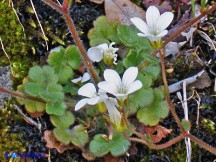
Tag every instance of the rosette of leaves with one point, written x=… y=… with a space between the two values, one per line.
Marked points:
x=64 y=62
x=78 y=136
x=42 y=83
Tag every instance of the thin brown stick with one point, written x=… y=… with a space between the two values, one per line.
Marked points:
x=161 y=146
x=18 y=94
x=76 y=38
x=202 y=144
x=167 y=96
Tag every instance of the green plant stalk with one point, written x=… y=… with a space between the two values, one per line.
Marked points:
x=203 y=5
x=193 y=7
x=76 y=38
x=184 y=27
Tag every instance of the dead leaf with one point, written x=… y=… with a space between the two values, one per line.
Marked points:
x=110 y=158
x=163 y=6
x=202 y=82
x=52 y=142
x=88 y=155
x=97 y=1
x=123 y=11
x=157 y=132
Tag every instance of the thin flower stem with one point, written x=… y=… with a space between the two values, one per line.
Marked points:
x=76 y=38
x=202 y=144
x=18 y=94
x=169 y=143
x=131 y=129
x=22 y=95
x=184 y=27
x=161 y=146
x=167 y=96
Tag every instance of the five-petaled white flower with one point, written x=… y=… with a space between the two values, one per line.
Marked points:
x=156 y=24
x=105 y=52
x=88 y=90
x=120 y=88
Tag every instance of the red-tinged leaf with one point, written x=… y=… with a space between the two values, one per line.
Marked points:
x=157 y=133
x=123 y=11
x=52 y=142
x=185 y=1
x=162 y=6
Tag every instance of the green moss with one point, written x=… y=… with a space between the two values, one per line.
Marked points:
x=9 y=142
x=15 y=43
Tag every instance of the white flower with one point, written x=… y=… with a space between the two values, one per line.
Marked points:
x=120 y=88
x=82 y=79
x=89 y=91
x=111 y=104
x=156 y=24
x=103 y=51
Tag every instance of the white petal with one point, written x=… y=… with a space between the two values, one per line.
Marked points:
x=140 y=24
x=129 y=76
x=165 y=20
x=163 y=33
x=153 y=38
x=143 y=35
x=152 y=15
x=81 y=103
x=95 y=54
x=112 y=76
x=134 y=86
x=108 y=87
x=76 y=80
x=87 y=90
x=114 y=114
x=103 y=46
x=85 y=77
x=93 y=101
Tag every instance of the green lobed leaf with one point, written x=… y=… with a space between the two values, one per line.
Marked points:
x=100 y=146
x=119 y=145
x=79 y=136
x=153 y=114
x=72 y=56
x=145 y=79
x=132 y=59
x=128 y=36
x=33 y=89
x=64 y=73
x=144 y=97
x=63 y=121
x=49 y=76
x=55 y=108
x=104 y=31
x=36 y=74
x=63 y=135
x=153 y=69
x=56 y=56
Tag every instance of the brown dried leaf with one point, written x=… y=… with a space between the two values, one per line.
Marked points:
x=157 y=132
x=163 y=6
x=123 y=11
x=97 y=1
x=202 y=82
x=110 y=158
x=52 y=142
